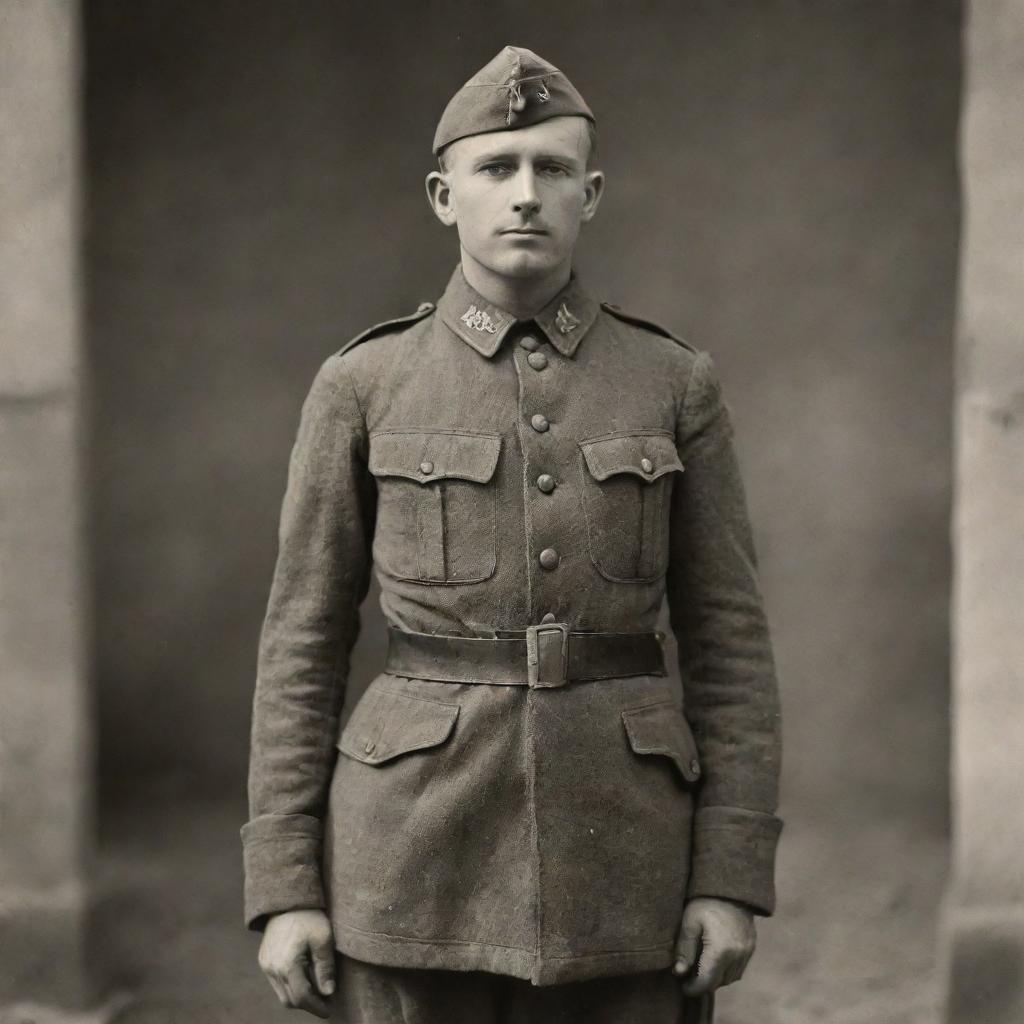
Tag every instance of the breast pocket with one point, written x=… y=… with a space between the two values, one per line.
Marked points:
x=437 y=504
x=627 y=491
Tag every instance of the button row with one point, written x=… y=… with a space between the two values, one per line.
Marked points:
x=549 y=557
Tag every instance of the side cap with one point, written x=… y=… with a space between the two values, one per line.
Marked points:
x=388 y=326
x=637 y=321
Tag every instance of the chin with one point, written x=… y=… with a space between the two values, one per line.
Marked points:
x=524 y=265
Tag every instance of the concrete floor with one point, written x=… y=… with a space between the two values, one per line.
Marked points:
x=853 y=941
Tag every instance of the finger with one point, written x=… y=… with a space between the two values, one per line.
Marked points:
x=323 y=967
x=743 y=964
x=732 y=973
x=316 y=1005
x=734 y=963
x=708 y=975
x=301 y=993
x=688 y=947
x=279 y=990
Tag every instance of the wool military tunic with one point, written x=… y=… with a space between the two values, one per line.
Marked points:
x=577 y=467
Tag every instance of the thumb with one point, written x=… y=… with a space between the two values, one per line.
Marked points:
x=323 y=965
x=688 y=946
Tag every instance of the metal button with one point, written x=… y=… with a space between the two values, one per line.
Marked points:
x=537 y=360
x=539 y=423
x=426 y=468
x=546 y=483
x=695 y=767
x=370 y=746
x=530 y=343
x=549 y=558
x=548 y=617
x=647 y=466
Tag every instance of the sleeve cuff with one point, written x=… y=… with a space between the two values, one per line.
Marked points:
x=734 y=856
x=281 y=854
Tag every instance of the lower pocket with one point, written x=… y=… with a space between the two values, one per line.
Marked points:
x=386 y=725
x=661 y=730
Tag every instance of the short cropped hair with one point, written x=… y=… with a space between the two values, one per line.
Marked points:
x=442 y=158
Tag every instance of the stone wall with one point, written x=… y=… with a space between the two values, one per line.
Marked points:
x=985 y=911
x=46 y=776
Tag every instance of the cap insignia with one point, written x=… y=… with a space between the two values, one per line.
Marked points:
x=479 y=320
x=566 y=321
x=517 y=99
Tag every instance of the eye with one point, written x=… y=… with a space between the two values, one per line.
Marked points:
x=495 y=170
x=554 y=170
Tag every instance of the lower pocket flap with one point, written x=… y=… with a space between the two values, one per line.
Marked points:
x=662 y=729
x=385 y=725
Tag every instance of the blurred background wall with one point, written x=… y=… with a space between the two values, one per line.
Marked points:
x=782 y=191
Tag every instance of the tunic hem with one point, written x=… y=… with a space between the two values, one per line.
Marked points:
x=465 y=955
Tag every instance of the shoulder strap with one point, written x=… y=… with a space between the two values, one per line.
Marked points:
x=636 y=321
x=387 y=326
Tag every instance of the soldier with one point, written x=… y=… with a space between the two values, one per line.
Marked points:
x=522 y=820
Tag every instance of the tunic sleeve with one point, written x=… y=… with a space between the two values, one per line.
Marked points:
x=729 y=683
x=311 y=624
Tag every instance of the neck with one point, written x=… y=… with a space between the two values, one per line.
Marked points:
x=521 y=296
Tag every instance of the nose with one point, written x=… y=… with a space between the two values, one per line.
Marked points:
x=525 y=199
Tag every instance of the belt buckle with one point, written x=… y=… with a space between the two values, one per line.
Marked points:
x=547 y=655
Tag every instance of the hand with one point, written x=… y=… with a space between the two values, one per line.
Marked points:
x=297 y=956
x=716 y=941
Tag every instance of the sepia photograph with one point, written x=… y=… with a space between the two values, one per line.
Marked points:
x=512 y=513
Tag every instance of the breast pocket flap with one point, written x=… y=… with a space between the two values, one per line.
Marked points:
x=428 y=455
x=662 y=729
x=645 y=454
x=388 y=725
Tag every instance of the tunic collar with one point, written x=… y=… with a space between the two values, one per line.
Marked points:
x=483 y=326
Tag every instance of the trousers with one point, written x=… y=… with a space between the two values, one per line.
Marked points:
x=374 y=994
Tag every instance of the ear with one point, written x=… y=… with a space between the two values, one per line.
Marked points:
x=593 y=189
x=439 y=195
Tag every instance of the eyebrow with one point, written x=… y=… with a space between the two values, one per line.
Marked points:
x=512 y=156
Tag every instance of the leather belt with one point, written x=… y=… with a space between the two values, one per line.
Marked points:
x=549 y=655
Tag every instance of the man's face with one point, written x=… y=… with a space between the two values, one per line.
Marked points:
x=519 y=197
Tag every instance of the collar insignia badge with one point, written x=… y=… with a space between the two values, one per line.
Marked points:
x=479 y=320
x=565 y=321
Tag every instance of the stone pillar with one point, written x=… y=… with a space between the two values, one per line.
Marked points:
x=984 y=920
x=46 y=780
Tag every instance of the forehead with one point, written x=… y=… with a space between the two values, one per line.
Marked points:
x=557 y=136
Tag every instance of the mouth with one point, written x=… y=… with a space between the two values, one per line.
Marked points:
x=524 y=231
